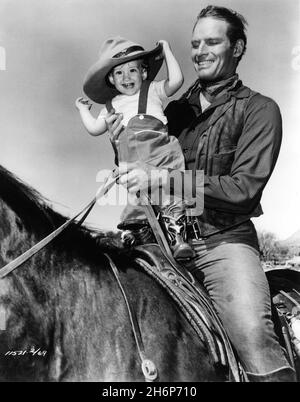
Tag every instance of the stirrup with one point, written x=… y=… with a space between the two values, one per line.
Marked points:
x=127 y=238
x=175 y=229
x=136 y=232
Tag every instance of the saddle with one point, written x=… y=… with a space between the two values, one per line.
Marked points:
x=194 y=303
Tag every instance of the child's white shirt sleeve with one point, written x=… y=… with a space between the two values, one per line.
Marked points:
x=103 y=113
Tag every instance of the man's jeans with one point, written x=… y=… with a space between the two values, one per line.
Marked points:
x=237 y=285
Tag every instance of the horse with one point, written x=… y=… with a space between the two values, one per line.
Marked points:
x=62 y=314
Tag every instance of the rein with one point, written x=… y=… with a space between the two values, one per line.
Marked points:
x=11 y=266
x=4 y=271
x=108 y=184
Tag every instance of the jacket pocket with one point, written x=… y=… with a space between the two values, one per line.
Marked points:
x=220 y=164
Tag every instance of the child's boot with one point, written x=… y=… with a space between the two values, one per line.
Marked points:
x=175 y=228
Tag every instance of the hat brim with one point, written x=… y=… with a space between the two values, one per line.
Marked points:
x=96 y=86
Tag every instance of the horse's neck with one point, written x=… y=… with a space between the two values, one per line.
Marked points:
x=14 y=238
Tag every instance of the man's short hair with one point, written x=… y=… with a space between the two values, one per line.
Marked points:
x=236 y=23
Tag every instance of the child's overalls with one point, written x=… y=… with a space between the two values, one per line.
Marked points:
x=145 y=139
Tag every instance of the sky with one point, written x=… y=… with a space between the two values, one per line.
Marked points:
x=46 y=48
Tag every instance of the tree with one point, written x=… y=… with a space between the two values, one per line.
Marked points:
x=270 y=247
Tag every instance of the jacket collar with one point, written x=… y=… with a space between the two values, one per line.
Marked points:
x=191 y=96
x=216 y=89
x=239 y=92
x=211 y=115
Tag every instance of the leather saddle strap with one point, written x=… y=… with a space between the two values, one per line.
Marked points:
x=155 y=226
x=148 y=367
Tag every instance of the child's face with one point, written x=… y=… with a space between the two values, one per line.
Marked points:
x=128 y=77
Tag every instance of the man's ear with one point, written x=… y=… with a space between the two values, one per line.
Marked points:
x=238 y=48
x=144 y=73
x=111 y=79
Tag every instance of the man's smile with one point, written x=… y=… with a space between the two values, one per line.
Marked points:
x=204 y=63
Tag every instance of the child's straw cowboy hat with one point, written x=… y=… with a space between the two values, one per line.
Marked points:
x=113 y=52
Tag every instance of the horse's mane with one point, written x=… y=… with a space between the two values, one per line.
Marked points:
x=38 y=217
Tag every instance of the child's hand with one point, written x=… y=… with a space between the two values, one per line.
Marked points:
x=82 y=103
x=165 y=45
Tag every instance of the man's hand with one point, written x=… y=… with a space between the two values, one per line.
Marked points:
x=114 y=124
x=139 y=176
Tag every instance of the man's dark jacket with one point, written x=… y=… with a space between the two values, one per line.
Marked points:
x=236 y=142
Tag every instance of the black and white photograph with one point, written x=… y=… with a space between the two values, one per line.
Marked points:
x=123 y=262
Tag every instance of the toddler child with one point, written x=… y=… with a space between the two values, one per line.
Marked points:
x=123 y=80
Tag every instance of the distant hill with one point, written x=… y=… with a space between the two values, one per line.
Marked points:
x=293 y=243
x=293 y=240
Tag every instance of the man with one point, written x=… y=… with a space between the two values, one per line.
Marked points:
x=233 y=134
